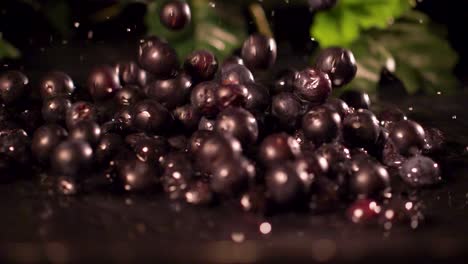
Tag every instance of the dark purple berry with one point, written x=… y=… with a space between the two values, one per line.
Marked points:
x=356 y=99
x=150 y=116
x=88 y=131
x=203 y=98
x=108 y=147
x=232 y=60
x=158 y=58
x=128 y=95
x=435 y=140
x=339 y=106
x=238 y=123
x=135 y=175
x=216 y=149
x=130 y=73
x=103 y=83
x=187 y=116
x=44 y=141
x=284 y=81
x=150 y=149
x=321 y=125
x=16 y=144
x=72 y=157
x=313 y=86
x=235 y=74
x=228 y=177
x=175 y=14
x=13 y=86
x=258 y=98
x=420 y=171
x=339 y=64
x=206 y=124
x=54 y=110
x=286 y=108
x=171 y=92
x=199 y=193
x=407 y=137
x=368 y=179
x=227 y=95
x=259 y=52
x=201 y=65
x=197 y=140
x=56 y=84
x=391 y=115
x=278 y=148
x=309 y=167
x=361 y=129
x=284 y=186
x=80 y=111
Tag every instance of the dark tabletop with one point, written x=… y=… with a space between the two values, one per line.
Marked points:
x=37 y=225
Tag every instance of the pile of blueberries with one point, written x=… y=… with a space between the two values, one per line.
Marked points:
x=206 y=132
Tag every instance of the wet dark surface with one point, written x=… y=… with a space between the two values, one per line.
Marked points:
x=37 y=225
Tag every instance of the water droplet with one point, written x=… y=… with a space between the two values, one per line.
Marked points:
x=238 y=237
x=410 y=108
x=454 y=117
x=77 y=24
x=439 y=93
x=265 y=228
x=212 y=4
x=128 y=30
x=90 y=34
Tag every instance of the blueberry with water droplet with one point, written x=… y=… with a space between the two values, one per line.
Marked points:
x=420 y=171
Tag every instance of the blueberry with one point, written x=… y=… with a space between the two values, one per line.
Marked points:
x=312 y=86
x=227 y=95
x=408 y=137
x=56 y=84
x=420 y=171
x=103 y=83
x=203 y=98
x=150 y=116
x=158 y=58
x=201 y=65
x=277 y=148
x=259 y=52
x=339 y=106
x=356 y=99
x=187 y=116
x=235 y=74
x=284 y=186
x=338 y=63
x=197 y=139
x=286 y=108
x=216 y=149
x=128 y=95
x=80 y=111
x=368 y=178
x=238 y=123
x=72 y=157
x=88 y=131
x=44 y=141
x=135 y=175
x=361 y=129
x=16 y=144
x=13 y=86
x=171 y=92
x=175 y=14
x=228 y=177
x=391 y=115
x=130 y=73
x=321 y=125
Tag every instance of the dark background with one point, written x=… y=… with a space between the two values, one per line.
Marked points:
x=30 y=31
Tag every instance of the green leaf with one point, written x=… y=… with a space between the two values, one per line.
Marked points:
x=407 y=47
x=215 y=26
x=342 y=25
x=7 y=50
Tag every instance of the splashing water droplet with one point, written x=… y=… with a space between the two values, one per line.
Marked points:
x=212 y=4
x=77 y=24
x=454 y=117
